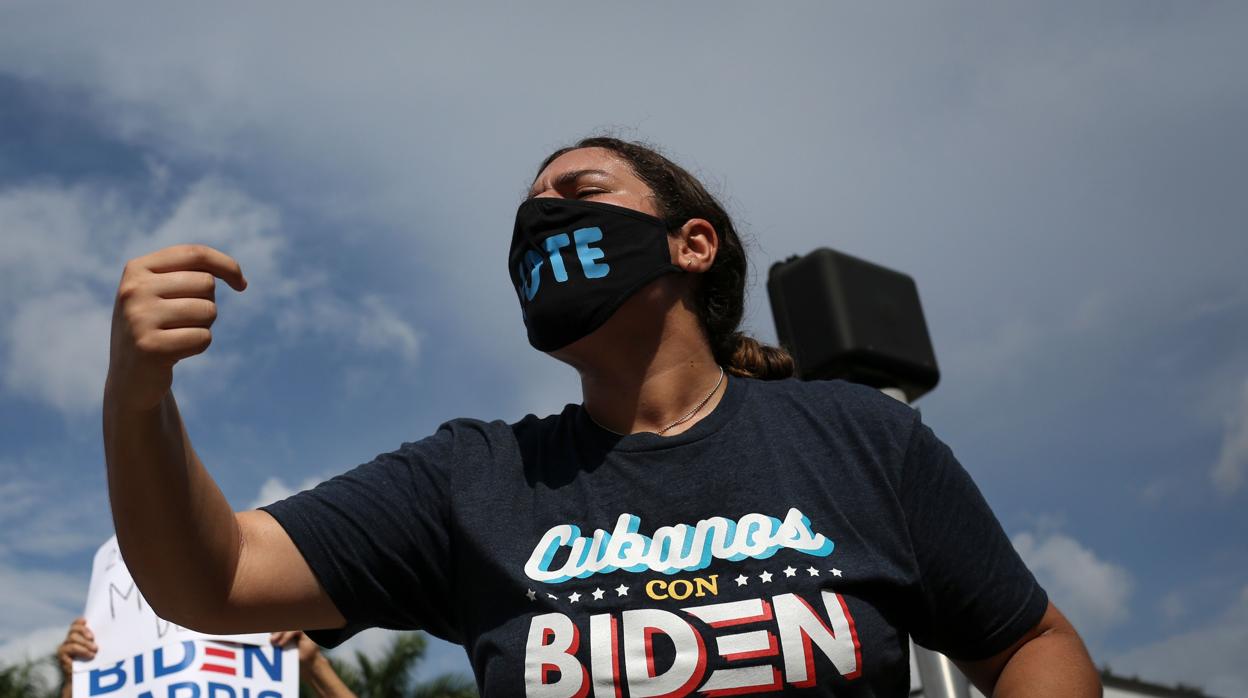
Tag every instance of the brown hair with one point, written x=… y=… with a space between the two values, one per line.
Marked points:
x=720 y=293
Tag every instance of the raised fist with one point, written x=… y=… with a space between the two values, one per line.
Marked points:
x=164 y=310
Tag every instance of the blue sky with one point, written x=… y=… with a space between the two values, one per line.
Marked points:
x=1065 y=183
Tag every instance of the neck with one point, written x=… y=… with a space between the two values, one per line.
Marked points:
x=640 y=391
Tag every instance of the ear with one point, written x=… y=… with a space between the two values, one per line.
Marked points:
x=694 y=245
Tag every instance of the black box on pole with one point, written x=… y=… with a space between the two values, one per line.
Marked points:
x=844 y=317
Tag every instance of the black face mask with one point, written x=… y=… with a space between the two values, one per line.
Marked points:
x=573 y=263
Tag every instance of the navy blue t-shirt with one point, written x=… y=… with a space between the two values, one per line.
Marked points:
x=787 y=542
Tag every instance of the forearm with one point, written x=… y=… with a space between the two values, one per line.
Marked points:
x=320 y=676
x=1055 y=663
x=175 y=529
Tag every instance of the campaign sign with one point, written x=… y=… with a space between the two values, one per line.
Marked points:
x=144 y=656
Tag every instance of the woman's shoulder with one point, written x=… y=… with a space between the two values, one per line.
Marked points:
x=845 y=399
x=852 y=418
x=498 y=433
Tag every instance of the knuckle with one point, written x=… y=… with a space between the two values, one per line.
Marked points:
x=204 y=282
x=131 y=269
x=196 y=252
x=147 y=344
x=128 y=289
x=133 y=316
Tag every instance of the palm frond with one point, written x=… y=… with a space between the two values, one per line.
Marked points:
x=446 y=686
x=24 y=681
x=393 y=674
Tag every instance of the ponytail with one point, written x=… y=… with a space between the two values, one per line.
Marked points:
x=750 y=358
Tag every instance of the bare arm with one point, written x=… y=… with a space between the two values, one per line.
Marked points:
x=1050 y=660
x=315 y=671
x=197 y=563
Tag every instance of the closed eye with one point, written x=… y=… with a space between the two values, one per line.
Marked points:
x=574 y=184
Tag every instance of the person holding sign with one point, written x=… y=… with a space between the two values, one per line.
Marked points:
x=698 y=522
x=315 y=671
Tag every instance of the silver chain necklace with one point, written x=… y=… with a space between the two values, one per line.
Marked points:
x=680 y=421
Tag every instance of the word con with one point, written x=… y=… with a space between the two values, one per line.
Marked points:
x=783 y=651
x=530 y=270
x=681 y=589
x=193 y=659
x=682 y=547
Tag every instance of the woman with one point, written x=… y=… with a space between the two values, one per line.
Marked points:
x=693 y=525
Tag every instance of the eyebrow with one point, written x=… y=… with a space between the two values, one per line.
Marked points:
x=570 y=177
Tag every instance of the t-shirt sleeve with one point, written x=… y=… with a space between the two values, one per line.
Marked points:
x=377 y=538
x=976 y=596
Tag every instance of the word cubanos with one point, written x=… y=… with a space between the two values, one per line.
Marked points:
x=672 y=549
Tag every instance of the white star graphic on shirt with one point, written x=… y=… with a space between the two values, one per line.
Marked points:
x=531 y=594
x=812 y=571
x=789 y=571
x=766 y=576
x=575 y=596
x=742 y=580
x=598 y=594
x=835 y=572
x=621 y=590
x=552 y=597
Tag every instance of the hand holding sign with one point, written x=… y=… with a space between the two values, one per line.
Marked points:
x=122 y=649
x=163 y=313
x=79 y=644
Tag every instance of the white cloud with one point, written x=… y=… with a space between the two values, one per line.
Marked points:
x=400 y=141
x=381 y=328
x=1229 y=471
x=1093 y=593
x=61 y=526
x=49 y=517
x=1210 y=656
x=217 y=214
x=274 y=489
x=63 y=251
x=370 y=324
x=56 y=237
x=1172 y=606
x=58 y=350
x=41 y=519
x=34 y=598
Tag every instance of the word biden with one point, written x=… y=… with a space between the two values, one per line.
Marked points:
x=180 y=671
x=750 y=646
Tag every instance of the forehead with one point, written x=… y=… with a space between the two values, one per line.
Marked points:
x=587 y=159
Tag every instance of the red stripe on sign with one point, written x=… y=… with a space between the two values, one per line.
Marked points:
x=218 y=668
x=214 y=652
